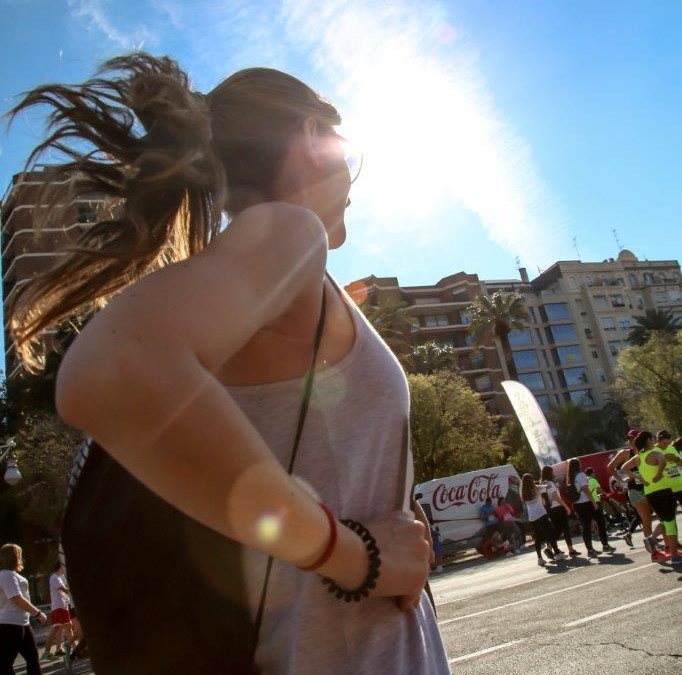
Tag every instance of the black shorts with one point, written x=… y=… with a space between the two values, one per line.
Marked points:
x=663 y=503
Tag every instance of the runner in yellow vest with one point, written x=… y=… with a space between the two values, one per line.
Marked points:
x=673 y=463
x=651 y=463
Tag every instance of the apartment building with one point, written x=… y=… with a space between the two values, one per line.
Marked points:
x=442 y=316
x=580 y=315
x=27 y=251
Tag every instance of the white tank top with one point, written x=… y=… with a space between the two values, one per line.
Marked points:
x=535 y=508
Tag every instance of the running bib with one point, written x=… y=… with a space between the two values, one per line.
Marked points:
x=673 y=471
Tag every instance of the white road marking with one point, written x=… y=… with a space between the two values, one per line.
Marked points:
x=622 y=607
x=466 y=657
x=543 y=595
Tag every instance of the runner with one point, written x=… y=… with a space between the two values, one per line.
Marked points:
x=587 y=509
x=558 y=510
x=636 y=494
x=541 y=527
x=673 y=462
x=651 y=463
x=60 y=616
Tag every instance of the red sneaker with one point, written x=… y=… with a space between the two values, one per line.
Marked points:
x=657 y=556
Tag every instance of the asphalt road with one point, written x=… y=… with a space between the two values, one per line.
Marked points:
x=618 y=614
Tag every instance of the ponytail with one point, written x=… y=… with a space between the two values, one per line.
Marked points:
x=139 y=137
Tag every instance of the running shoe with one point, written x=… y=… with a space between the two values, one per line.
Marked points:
x=541 y=562
x=548 y=552
x=560 y=556
x=676 y=560
x=649 y=544
x=574 y=553
x=592 y=553
x=627 y=538
x=657 y=556
x=47 y=656
x=609 y=549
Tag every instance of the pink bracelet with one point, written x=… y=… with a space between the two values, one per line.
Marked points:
x=331 y=544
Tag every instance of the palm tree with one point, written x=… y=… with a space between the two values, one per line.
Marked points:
x=661 y=321
x=390 y=319
x=431 y=357
x=500 y=313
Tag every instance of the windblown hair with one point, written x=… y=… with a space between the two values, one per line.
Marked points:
x=167 y=160
x=529 y=490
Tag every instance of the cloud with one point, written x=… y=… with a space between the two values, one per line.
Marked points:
x=410 y=89
x=93 y=14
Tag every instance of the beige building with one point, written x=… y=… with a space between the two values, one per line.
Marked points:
x=25 y=251
x=580 y=316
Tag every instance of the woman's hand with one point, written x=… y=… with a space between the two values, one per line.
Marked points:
x=404 y=558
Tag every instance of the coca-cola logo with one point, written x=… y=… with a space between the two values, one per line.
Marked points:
x=477 y=490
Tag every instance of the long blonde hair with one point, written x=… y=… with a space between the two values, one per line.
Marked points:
x=167 y=160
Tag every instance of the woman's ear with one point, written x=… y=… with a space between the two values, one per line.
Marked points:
x=311 y=140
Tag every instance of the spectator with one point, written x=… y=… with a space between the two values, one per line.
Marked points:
x=487 y=513
x=506 y=516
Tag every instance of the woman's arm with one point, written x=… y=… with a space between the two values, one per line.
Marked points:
x=140 y=379
x=616 y=462
x=23 y=604
x=631 y=464
x=657 y=459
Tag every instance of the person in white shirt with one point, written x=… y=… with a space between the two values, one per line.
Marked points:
x=59 y=613
x=587 y=509
x=541 y=527
x=16 y=635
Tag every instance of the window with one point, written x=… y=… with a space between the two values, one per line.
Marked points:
x=550 y=379
x=582 y=397
x=600 y=302
x=639 y=302
x=569 y=355
x=533 y=381
x=675 y=295
x=632 y=278
x=588 y=332
x=572 y=283
x=588 y=280
x=466 y=318
x=434 y=320
x=564 y=332
x=426 y=301
x=661 y=297
x=600 y=375
x=526 y=358
x=469 y=340
x=607 y=323
x=531 y=313
x=617 y=301
x=595 y=354
x=575 y=376
x=446 y=343
x=556 y=311
x=477 y=360
x=544 y=402
x=624 y=322
x=520 y=338
x=483 y=383
x=614 y=347
x=648 y=278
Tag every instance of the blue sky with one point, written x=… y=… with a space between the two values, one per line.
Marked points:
x=491 y=129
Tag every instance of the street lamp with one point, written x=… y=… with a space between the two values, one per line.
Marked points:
x=12 y=474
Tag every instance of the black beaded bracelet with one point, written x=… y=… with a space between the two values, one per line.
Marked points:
x=374 y=563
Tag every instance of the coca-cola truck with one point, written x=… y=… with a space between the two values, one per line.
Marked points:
x=453 y=503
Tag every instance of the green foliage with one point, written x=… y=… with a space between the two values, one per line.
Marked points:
x=661 y=322
x=45 y=451
x=499 y=313
x=516 y=448
x=391 y=320
x=451 y=430
x=431 y=357
x=649 y=383
x=575 y=429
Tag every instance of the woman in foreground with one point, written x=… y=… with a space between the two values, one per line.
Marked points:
x=191 y=377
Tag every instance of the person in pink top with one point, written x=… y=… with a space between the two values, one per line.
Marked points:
x=506 y=517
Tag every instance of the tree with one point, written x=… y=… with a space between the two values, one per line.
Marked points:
x=431 y=357
x=390 y=319
x=655 y=321
x=516 y=449
x=500 y=313
x=451 y=430
x=649 y=383
x=575 y=429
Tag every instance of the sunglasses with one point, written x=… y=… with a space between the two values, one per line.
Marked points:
x=352 y=156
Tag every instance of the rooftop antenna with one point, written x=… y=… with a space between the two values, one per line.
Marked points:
x=615 y=236
x=575 y=246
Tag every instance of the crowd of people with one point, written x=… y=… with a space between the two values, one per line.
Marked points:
x=645 y=481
